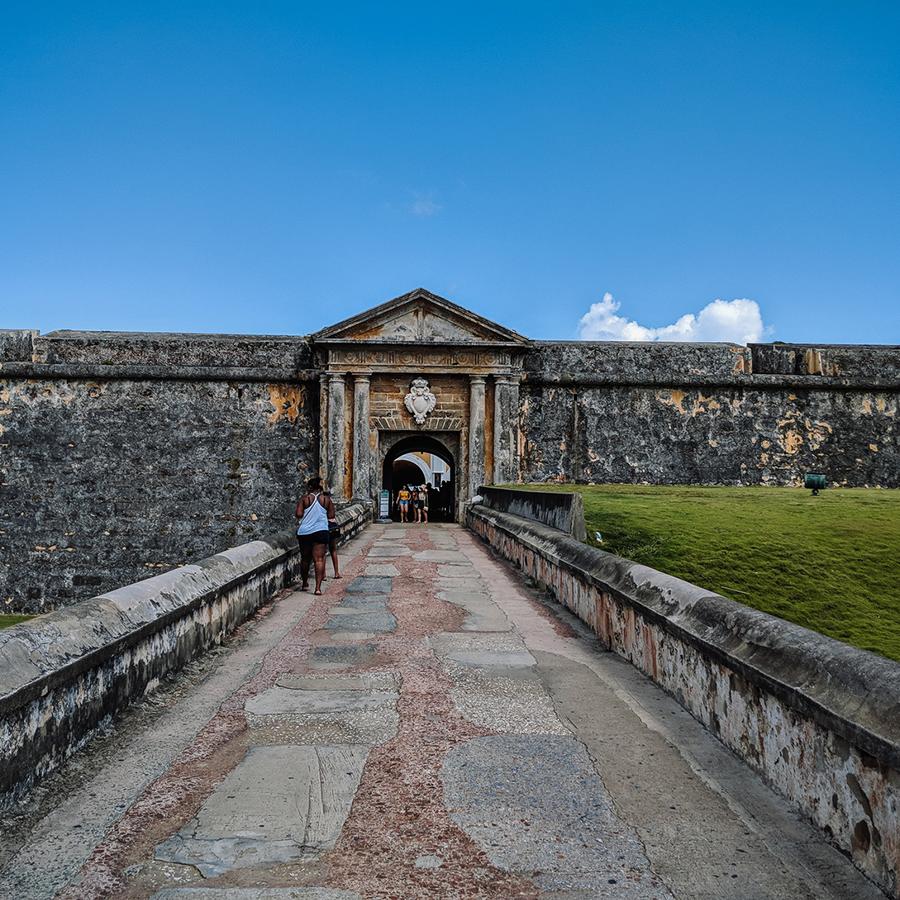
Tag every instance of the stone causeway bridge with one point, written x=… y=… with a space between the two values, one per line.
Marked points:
x=485 y=706
x=449 y=719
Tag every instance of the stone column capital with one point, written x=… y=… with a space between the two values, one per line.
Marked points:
x=361 y=377
x=336 y=377
x=477 y=379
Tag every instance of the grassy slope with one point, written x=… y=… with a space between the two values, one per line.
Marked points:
x=7 y=619
x=831 y=562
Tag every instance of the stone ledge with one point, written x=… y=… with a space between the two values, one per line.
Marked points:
x=757 y=381
x=135 y=372
x=65 y=673
x=818 y=719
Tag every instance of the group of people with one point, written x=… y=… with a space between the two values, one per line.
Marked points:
x=317 y=533
x=413 y=499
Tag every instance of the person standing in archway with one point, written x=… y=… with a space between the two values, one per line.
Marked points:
x=313 y=510
x=403 y=498
x=422 y=507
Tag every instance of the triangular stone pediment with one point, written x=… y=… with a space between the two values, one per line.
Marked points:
x=419 y=317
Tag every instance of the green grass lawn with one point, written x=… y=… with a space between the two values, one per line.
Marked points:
x=831 y=562
x=7 y=619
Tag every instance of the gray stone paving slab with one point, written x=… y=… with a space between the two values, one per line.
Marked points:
x=279 y=804
x=382 y=569
x=467 y=594
x=505 y=704
x=481 y=613
x=389 y=552
x=370 y=681
x=474 y=648
x=458 y=570
x=352 y=637
x=342 y=656
x=535 y=805
x=370 y=621
x=356 y=727
x=449 y=556
x=369 y=584
x=254 y=893
x=492 y=659
x=361 y=601
x=279 y=701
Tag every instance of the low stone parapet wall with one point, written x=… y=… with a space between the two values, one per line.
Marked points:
x=564 y=511
x=818 y=719
x=65 y=674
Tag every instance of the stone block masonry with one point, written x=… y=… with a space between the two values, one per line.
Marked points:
x=65 y=674
x=137 y=468
x=819 y=720
x=710 y=414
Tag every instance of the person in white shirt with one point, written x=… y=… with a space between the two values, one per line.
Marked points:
x=313 y=512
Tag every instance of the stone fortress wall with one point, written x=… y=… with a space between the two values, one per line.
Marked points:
x=124 y=455
x=710 y=413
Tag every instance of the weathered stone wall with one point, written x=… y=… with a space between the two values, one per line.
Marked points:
x=819 y=720
x=123 y=456
x=710 y=414
x=65 y=674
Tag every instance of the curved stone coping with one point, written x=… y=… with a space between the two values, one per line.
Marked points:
x=556 y=509
x=852 y=692
x=38 y=655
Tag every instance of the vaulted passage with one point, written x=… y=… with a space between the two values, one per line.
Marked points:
x=417 y=460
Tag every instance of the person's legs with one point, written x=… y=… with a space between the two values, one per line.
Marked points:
x=318 y=553
x=305 y=559
x=332 y=546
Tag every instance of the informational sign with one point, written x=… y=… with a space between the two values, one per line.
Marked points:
x=384 y=505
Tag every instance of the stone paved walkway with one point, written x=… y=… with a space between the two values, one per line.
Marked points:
x=427 y=728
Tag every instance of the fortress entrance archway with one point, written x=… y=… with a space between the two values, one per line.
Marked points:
x=418 y=374
x=398 y=469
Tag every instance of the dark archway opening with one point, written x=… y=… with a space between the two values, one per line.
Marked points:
x=398 y=472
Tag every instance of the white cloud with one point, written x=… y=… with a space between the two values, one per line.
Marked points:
x=424 y=205
x=739 y=321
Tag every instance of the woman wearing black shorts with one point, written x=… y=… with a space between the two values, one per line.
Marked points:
x=313 y=512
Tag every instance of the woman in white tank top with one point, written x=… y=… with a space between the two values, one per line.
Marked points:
x=313 y=510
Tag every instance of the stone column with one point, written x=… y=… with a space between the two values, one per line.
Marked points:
x=335 y=470
x=323 y=427
x=361 y=451
x=476 y=434
x=512 y=392
x=506 y=415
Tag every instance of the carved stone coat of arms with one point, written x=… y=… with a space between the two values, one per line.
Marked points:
x=420 y=401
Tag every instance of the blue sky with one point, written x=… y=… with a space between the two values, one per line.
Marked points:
x=273 y=168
